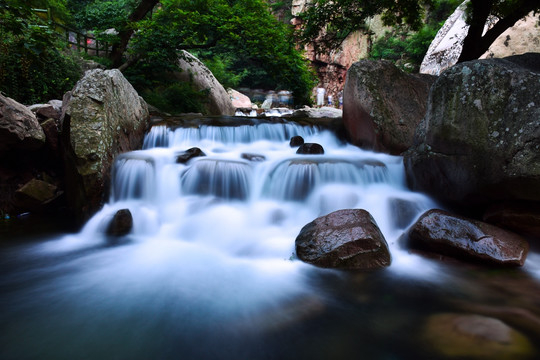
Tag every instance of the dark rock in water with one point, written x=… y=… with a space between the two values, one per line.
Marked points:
x=189 y=154
x=121 y=223
x=35 y=195
x=345 y=239
x=253 y=157
x=479 y=141
x=521 y=217
x=383 y=105
x=310 y=148
x=450 y=235
x=296 y=141
x=468 y=336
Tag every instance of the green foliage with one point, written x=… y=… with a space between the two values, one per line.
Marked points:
x=176 y=98
x=331 y=21
x=240 y=40
x=32 y=66
x=102 y=14
x=407 y=48
x=222 y=67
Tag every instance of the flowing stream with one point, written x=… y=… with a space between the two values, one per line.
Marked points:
x=209 y=270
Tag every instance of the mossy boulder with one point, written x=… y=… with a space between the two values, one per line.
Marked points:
x=480 y=139
x=104 y=116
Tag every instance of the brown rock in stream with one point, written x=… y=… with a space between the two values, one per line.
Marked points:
x=346 y=239
x=443 y=233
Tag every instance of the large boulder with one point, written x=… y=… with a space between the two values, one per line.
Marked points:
x=103 y=117
x=195 y=72
x=19 y=128
x=346 y=239
x=445 y=49
x=450 y=235
x=480 y=139
x=382 y=105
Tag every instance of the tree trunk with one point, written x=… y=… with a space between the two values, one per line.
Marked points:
x=475 y=44
x=479 y=15
x=118 y=50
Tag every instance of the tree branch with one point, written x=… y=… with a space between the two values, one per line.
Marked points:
x=143 y=8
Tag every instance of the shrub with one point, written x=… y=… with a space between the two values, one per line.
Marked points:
x=176 y=98
x=33 y=67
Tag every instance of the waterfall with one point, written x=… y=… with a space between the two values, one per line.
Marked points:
x=249 y=205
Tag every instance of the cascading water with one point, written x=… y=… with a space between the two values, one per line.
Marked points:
x=208 y=271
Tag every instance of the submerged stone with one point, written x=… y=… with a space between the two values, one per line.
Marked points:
x=465 y=336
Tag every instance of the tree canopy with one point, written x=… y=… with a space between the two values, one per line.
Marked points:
x=331 y=21
x=240 y=37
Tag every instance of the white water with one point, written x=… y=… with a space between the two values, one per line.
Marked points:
x=252 y=211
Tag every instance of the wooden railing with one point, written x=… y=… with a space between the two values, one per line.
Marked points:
x=76 y=40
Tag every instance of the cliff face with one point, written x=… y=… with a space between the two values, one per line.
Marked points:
x=332 y=67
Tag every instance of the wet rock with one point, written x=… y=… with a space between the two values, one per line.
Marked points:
x=383 y=105
x=296 y=141
x=253 y=157
x=346 y=239
x=466 y=336
x=189 y=154
x=19 y=128
x=310 y=149
x=479 y=141
x=121 y=223
x=103 y=117
x=450 y=235
x=521 y=217
x=35 y=195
